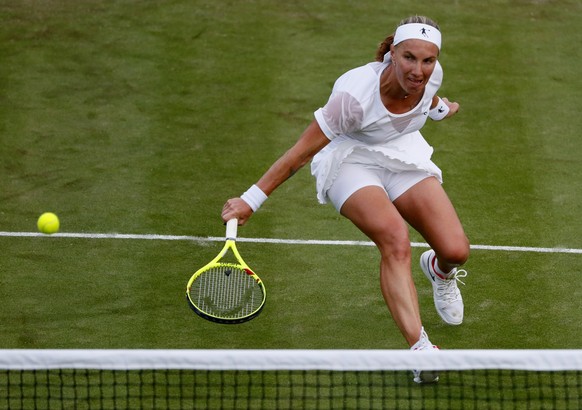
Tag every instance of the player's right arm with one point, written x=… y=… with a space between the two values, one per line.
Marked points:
x=310 y=143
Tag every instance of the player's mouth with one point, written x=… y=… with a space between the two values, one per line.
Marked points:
x=415 y=82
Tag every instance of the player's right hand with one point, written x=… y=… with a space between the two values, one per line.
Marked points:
x=236 y=208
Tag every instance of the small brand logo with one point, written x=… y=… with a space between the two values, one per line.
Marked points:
x=441 y=110
x=431 y=264
x=423 y=32
x=431 y=275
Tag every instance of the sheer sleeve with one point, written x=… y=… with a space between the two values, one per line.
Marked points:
x=341 y=115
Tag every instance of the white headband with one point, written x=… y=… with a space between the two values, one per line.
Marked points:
x=418 y=31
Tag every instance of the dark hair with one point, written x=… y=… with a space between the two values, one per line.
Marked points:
x=384 y=46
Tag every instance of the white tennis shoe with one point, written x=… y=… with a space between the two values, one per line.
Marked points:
x=447 y=297
x=424 y=376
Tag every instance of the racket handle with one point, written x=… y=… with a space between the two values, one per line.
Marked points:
x=231 y=227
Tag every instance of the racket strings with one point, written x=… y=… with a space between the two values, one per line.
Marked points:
x=226 y=291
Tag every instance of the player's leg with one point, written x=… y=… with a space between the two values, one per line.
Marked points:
x=428 y=209
x=373 y=213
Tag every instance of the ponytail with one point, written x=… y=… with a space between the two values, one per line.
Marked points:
x=384 y=47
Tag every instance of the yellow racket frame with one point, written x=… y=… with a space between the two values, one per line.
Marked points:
x=230 y=245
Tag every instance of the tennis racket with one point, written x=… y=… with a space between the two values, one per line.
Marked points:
x=226 y=291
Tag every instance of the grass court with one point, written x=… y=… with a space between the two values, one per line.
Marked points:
x=142 y=118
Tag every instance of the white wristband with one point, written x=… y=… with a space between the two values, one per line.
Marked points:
x=254 y=197
x=440 y=111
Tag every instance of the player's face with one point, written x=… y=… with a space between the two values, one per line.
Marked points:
x=415 y=61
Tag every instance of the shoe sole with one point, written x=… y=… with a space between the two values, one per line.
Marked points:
x=427 y=376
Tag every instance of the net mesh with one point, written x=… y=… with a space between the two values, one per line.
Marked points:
x=187 y=379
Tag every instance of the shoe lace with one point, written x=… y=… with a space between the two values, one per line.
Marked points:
x=459 y=273
x=447 y=288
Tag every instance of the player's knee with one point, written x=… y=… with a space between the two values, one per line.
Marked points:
x=395 y=246
x=456 y=252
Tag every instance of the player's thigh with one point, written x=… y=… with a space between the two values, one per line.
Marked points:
x=359 y=194
x=428 y=209
x=370 y=209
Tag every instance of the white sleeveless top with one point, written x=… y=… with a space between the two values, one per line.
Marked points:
x=363 y=131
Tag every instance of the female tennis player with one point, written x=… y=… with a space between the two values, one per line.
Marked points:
x=371 y=162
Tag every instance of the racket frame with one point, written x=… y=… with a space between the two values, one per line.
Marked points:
x=229 y=245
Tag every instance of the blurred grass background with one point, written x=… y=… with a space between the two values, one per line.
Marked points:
x=144 y=117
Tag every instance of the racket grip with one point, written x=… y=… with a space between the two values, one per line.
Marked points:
x=231 y=228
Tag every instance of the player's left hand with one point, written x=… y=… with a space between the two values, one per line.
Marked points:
x=453 y=107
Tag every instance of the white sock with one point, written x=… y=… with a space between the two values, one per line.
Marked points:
x=422 y=340
x=439 y=272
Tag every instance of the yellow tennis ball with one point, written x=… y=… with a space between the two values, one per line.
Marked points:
x=48 y=223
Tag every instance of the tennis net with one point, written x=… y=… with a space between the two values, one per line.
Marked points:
x=289 y=379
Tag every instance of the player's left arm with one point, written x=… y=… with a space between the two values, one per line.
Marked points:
x=442 y=108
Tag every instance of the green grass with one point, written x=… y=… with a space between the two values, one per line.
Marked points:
x=144 y=117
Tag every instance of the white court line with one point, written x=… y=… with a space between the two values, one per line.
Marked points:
x=270 y=240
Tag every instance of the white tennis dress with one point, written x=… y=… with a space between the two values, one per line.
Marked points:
x=363 y=131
